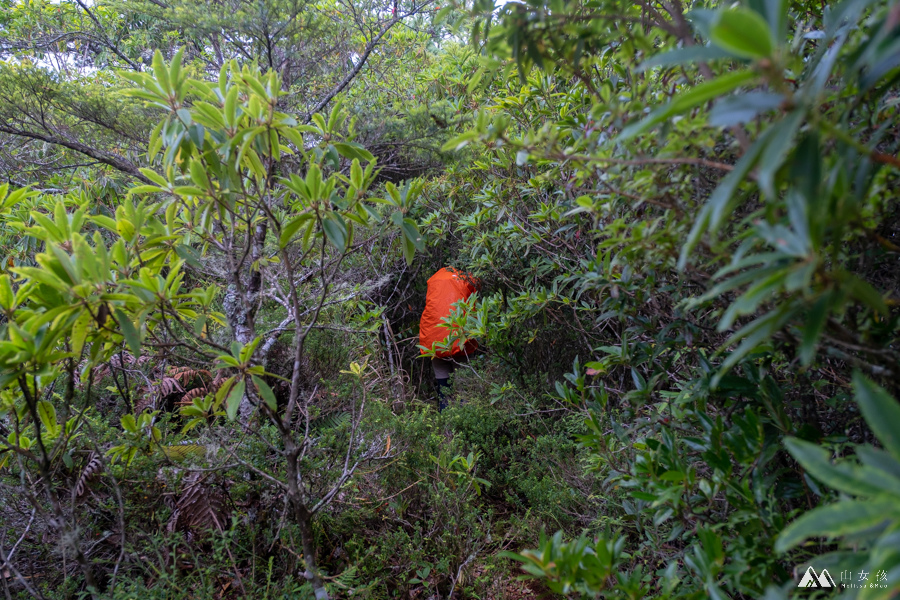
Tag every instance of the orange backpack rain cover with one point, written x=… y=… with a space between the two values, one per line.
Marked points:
x=444 y=288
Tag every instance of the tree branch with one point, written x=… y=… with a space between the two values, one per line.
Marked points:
x=115 y=162
x=362 y=61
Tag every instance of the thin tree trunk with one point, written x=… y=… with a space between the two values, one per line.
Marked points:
x=304 y=521
x=241 y=304
x=302 y=516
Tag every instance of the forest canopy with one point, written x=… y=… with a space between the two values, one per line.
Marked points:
x=218 y=221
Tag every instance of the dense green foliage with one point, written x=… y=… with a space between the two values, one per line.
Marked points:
x=216 y=228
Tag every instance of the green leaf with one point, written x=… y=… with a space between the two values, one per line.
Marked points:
x=132 y=337
x=672 y=476
x=696 y=96
x=198 y=175
x=837 y=520
x=643 y=495
x=723 y=199
x=880 y=411
x=742 y=108
x=812 y=329
x=409 y=250
x=189 y=255
x=754 y=334
x=680 y=56
x=460 y=141
x=154 y=177
x=863 y=291
x=743 y=33
x=175 y=68
x=750 y=300
x=411 y=232
x=79 y=331
x=288 y=231
x=47 y=414
x=161 y=73
x=7 y=297
x=199 y=324
x=879 y=459
x=106 y=222
x=266 y=393
x=246 y=352
x=776 y=13
x=353 y=151
x=335 y=230
x=129 y=424
x=234 y=399
x=256 y=86
x=776 y=150
x=185 y=116
x=859 y=480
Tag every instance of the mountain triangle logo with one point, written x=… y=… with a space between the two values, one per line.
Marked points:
x=811 y=580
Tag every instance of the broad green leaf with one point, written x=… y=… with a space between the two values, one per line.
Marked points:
x=879 y=459
x=47 y=414
x=129 y=424
x=154 y=177
x=812 y=329
x=107 y=222
x=880 y=411
x=776 y=150
x=175 y=68
x=724 y=198
x=199 y=176
x=266 y=393
x=776 y=12
x=411 y=232
x=860 y=480
x=409 y=250
x=231 y=107
x=335 y=230
x=234 y=399
x=836 y=520
x=742 y=32
x=750 y=300
x=863 y=291
x=741 y=108
x=189 y=255
x=131 y=334
x=699 y=94
x=185 y=116
x=753 y=335
x=353 y=151
x=256 y=86
x=7 y=297
x=246 y=352
x=79 y=331
x=680 y=56
x=161 y=73
x=672 y=476
x=460 y=141
x=292 y=227
x=223 y=390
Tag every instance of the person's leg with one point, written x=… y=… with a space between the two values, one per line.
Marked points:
x=442 y=369
x=455 y=362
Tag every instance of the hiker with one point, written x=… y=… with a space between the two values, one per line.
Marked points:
x=444 y=288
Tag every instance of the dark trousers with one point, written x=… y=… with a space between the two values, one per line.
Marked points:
x=443 y=368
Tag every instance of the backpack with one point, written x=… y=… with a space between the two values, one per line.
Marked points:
x=444 y=288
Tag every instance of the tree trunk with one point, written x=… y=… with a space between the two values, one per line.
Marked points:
x=241 y=303
x=304 y=521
